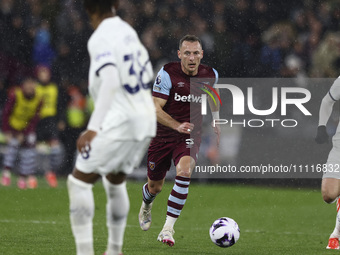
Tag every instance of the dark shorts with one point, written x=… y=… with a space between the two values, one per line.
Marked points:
x=160 y=155
x=47 y=129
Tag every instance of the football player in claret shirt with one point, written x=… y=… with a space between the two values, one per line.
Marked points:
x=120 y=127
x=178 y=136
x=20 y=118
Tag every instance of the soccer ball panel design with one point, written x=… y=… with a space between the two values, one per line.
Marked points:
x=224 y=232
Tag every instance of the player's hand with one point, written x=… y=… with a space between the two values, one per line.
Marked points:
x=185 y=128
x=217 y=131
x=84 y=140
x=321 y=136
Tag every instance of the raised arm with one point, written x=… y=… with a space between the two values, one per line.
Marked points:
x=326 y=110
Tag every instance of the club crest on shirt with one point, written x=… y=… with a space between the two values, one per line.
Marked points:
x=152 y=165
x=180 y=84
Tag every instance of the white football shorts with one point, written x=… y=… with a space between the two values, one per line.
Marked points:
x=332 y=168
x=110 y=156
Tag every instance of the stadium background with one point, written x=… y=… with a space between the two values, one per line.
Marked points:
x=246 y=38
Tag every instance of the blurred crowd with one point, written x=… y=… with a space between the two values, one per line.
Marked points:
x=245 y=38
x=241 y=38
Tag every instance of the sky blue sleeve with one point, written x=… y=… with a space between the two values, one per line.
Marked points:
x=216 y=76
x=162 y=83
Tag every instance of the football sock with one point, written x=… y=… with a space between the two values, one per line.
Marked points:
x=336 y=231
x=117 y=209
x=81 y=214
x=170 y=222
x=27 y=161
x=55 y=157
x=177 y=200
x=147 y=196
x=11 y=153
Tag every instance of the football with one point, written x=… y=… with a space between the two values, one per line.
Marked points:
x=224 y=232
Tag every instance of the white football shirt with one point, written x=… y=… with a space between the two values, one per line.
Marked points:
x=334 y=93
x=131 y=114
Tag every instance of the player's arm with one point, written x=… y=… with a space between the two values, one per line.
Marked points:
x=63 y=99
x=109 y=84
x=31 y=127
x=215 y=108
x=161 y=92
x=166 y=120
x=214 y=105
x=325 y=112
x=215 y=112
x=8 y=109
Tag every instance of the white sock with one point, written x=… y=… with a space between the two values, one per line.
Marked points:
x=170 y=222
x=147 y=206
x=336 y=231
x=117 y=209
x=81 y=214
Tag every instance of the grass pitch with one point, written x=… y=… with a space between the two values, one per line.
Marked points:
x=272 y=221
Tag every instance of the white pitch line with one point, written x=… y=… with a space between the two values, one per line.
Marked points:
x=28 y=221
x=48 y=222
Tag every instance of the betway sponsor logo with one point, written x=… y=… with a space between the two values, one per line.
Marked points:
x=190 y=98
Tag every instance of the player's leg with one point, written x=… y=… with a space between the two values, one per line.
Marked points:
x=150 y=190
x=80 y=183
x=47 y=132
x=55 y=159
x=177 y=198
x=79 y=186
x=333 y=242
x=330 y=189
x=127 y=156
x=9 y=160
x=27 y=168
x=159 y=162
x=117 y=209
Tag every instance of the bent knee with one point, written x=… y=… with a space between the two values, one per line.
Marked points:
x=155 y=188
x=329 y=195
x=328 y=198
x=330 y=190
x=184 y=173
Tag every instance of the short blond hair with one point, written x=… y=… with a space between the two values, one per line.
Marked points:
x=189 y=38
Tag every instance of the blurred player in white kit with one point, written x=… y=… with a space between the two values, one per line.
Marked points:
x=330 y=187
x=119 y=130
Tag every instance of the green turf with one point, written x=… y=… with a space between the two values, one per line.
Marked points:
x=272 y=221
